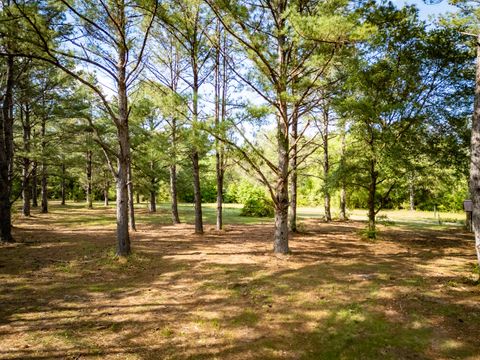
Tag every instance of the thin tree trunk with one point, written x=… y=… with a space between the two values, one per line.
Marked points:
x=475 y=158
x=293 y=176
x=131 y=204
x=372 y=189
x=26 y=190
x=89 y=179
x=195 y=155
x=105 y=192
x=343 y=190
x=63 y=184
x=197 y=194
x=34 y=185
x=173 y=194
x=218 y=150
x=137 y=194
x=326 y=165
x=44 y=170
x=411 y=189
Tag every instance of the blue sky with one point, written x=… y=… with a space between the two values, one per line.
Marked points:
x=427 y=10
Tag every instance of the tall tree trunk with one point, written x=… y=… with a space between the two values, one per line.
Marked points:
x=34 y=185
x=343 y=190
x=131 y=204
x=153 y=201
x=44 y=170
x=197 y=192
x=89 y=179
x=173 y=194
x=326 y=165
x=281 y=187
x=63 y=184
x=293 y=176
x=6 y=154
x=475 y=157
x=218 y=146
x=26 y=189
x=372 y=190
x=122 y=175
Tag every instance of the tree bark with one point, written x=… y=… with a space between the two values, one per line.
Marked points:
x=475 y=158
x=131 y=204
x=293 y=177
x=26 y=189
x=326 y=165
x=195 y=155
x=411 y=190
x=105 y=192
x=63 y=184
x=44 y=170
x=34 y=185
x=153 y=201
x=6 y=155
x=343 y=190
x=197 y=194
x=122 y=175
x=372 y=190
x=173 y=194
x=89 y=179
x=218 y=146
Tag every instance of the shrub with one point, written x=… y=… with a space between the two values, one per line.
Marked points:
x=257 y=205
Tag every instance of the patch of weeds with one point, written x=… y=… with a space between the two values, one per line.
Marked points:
x=208 y=323
x=368 y=234
x=415 y=281
x=166 y=332
x=385 y=220
x=65 y=267
x=246 y=318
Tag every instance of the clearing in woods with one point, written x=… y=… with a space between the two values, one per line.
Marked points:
x=410 y=294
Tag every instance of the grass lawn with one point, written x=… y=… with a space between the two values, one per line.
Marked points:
x=411 y=294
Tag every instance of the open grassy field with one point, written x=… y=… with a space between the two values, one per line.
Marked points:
x=411 y=294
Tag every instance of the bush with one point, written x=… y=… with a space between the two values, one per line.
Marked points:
x=257 y=205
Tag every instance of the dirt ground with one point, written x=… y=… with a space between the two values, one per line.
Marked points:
x=409 y=295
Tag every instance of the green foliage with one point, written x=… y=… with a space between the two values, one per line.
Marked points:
x=258 y=205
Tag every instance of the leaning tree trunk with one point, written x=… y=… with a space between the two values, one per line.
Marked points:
x=475 y=158
x=6 y=155
x=411 y=190
x=173 y=194
x=26 y=189
x=89 y=179
x=105 y=192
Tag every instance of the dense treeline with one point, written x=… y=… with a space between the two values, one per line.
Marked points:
x=344 y=104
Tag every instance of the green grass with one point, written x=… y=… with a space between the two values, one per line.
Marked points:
x=75 y=214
